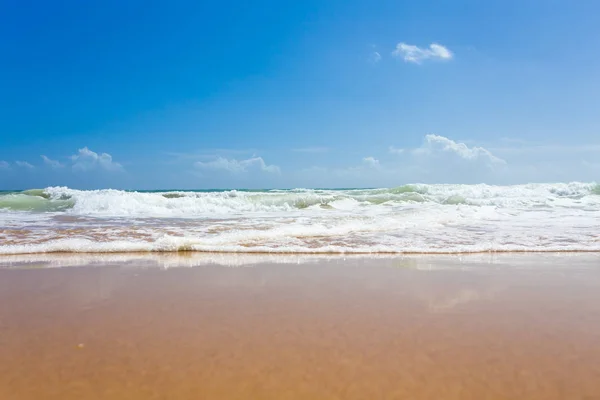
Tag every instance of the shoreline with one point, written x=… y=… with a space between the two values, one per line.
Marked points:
x=166 y=260
x=315 y=253
x=192 y=258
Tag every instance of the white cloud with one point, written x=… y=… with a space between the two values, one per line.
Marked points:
x=371 y=162
x=396 y=150
x=4 y=165
x=365 y=168
x=237 y=166
x=311 y=150
x=86 y=160
x=415 y=54
x=374 y=57
x=438 y=160
x=52 y=163
x=370 y=172
x=210 y=154
x=438 y=143
x=24 y=164
x=443 y=160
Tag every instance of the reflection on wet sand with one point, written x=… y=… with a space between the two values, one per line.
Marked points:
x=124 y=327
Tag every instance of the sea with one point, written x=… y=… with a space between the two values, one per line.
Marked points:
x=409 y=219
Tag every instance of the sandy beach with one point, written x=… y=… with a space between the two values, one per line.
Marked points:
x=188 y=327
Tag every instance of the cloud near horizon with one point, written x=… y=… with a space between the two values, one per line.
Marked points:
x=86 y=160
x=414 y=54
x=24 y=164
x=51 y=163
x=439 y=159
x=396 y=150
x=439 y=143
x=235 y=166
x=371 y=162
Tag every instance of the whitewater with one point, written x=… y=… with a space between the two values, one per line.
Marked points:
x=409 y=219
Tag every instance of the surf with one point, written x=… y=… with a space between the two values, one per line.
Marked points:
x=408 y=219
x=191 y=203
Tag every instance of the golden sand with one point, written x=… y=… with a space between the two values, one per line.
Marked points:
x=322 y=330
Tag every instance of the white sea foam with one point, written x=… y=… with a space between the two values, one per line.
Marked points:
x=408 y=219
x=425 y=262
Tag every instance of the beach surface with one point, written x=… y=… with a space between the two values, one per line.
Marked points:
x=239 y=327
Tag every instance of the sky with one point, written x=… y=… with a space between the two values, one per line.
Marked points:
x=272 y=94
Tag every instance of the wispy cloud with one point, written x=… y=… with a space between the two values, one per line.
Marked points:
x=311 y=150
x=396 y=150
x=86 y=160
x=367 y=164
x=4 y=165
x=374 y=57
x=440 y=143
x=237 y=166
x=52 y=163
x=24 y=164
x=207 y=154
x=514 y=147
x=371 y=162
x=441 y=159
x=415 y=54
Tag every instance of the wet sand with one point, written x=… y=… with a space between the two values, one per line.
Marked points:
x=521 y=327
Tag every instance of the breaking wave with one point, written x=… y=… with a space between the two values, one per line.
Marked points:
x=191 y=203
x=414 y=218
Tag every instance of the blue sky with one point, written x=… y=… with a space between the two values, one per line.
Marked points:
x=187 y=94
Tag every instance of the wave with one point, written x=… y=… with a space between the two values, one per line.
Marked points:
x=193 y=204
x=24 y=201
x=125 y=247
x=411 y=219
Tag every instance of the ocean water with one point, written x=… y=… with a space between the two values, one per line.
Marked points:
x=408 y=219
